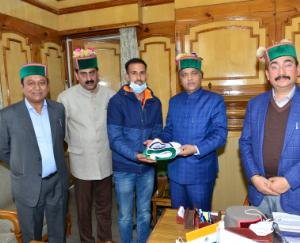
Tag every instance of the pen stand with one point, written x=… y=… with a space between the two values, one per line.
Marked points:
x=192 y=220
x=213 y=219
x=189 y=219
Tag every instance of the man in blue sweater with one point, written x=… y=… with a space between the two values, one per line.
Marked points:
x=133 y=116
x=197 y=120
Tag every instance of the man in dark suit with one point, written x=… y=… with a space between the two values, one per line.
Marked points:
x=31 y=142
x=197 y=120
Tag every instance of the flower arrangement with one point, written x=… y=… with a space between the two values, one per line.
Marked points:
x=185 y=55
x=79 y=52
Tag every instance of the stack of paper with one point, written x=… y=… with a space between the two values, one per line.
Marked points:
x=287 y=222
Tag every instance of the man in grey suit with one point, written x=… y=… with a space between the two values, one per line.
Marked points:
x=31 y=142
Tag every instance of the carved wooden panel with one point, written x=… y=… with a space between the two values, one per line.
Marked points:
x=14 y=52
x=53 y=57
x=230 y=188
x=108 y=54
x=292 y=32
x=228 y=50
x=159 y=54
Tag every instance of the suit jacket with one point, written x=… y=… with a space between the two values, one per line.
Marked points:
x=86 y=133
x=19 y=148
x=251 y=148
x=198 y=118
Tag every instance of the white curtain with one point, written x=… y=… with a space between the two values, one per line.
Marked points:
x=129 y=48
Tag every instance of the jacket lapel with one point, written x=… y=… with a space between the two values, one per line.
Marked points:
x=261 y=119
x=294 y=118
x=52 y=120
x=26 y=122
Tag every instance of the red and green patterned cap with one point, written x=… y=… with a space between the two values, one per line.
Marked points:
x=283 y=48
x=186 y=60
x=85 y=58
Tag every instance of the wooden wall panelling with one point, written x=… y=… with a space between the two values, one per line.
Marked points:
x=262 y=11
x=286 y=10
x=292 y=32
x=231 y=61
x=35 y=33
x=108 y=54
x=15 y=52
x=159 y=54
x=53 y=56
x=230 y=188
x=166 y=29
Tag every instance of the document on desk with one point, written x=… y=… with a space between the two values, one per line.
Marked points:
x=225 y=236
x=287 y=222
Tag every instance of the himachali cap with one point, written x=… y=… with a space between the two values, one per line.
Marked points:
x=33 y=69
x=85 y=58
x=284 y=48
x=185 y=60
x=158 y=150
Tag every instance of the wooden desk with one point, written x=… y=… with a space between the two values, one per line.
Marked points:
x=167 y=230
x=158 y=201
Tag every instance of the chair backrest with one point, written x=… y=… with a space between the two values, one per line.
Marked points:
x=6 y=200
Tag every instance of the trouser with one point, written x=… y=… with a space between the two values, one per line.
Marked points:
x=52 y=204
x=191 y=195
x=130 y=186
x=101 y=191
x=270 y=204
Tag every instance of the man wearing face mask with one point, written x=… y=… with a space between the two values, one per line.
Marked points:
x=133 y=116
x=90 y=156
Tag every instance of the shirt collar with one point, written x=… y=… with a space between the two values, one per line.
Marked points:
x=195 y=93
x=30 y=107
x=286 y=99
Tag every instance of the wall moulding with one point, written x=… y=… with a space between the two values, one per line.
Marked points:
x=91 y=6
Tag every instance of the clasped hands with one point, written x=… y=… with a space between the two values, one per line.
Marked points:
x=186 y=150
x=273 y=186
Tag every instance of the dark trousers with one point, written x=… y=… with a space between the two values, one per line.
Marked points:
x=192 y=195
x=52 y=204
x=101 y=191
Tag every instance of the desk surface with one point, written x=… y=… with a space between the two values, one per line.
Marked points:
x=167 y=230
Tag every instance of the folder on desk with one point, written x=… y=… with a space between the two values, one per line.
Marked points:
x=202 y=232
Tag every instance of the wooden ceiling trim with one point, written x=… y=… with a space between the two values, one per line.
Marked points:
x=93 y=6
x=28 y=29
x=81 y=8
x=146 y=3
x=42 y=6
x=93 y=31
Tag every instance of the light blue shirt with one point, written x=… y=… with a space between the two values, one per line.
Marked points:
x=43 y=135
